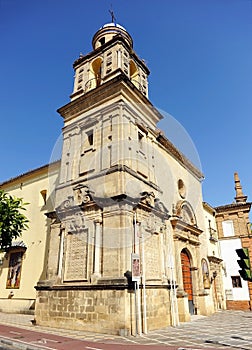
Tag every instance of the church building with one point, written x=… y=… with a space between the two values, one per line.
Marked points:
x=126 y=243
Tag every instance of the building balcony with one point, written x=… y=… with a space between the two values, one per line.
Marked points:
x=213 y=235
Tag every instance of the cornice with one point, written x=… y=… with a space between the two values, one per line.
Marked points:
x=185 y=232
x=214 y=259
x=179 y=156
x=30 y=174
x=233 y=207
x=209 y=208
x=105 y=47
x=178 y=223
x=103 y=93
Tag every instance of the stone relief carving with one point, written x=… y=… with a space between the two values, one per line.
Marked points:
x=66 y=203
x=147 y=198
x=82 y=194
x=76 y=256
x=75 y=223
x=69 y=212
x=160 y=207
x=79 y=221
x=150 y=223
x=184 y=210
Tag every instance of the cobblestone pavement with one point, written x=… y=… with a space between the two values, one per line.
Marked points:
x=222 y=330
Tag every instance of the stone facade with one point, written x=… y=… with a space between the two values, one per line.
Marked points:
x=109 y=309
x=125 y=196
x=125 y=243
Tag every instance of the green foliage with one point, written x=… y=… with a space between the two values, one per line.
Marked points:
x=12 y=221
x=244 y=263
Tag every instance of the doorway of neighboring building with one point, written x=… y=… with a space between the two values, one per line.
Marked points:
x=187 y=278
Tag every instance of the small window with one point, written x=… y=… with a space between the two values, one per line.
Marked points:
x=43 y=197
x=228 y=228
x=140 y=137
x=236 y=281
x=102 y=41
x=90 y=136
x=140 y=140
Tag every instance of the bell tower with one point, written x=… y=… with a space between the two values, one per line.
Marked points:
x=109 y=116
x=112 y=54
x=107 y=186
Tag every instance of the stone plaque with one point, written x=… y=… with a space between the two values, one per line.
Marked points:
x=152 y=257
x=76 y=256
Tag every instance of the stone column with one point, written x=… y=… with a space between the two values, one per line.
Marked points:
x=51 y=269
x=137 y=236
x=162 y=256
x=61 y=253
x=177 y=249
x=119 y=58
x=97 y=251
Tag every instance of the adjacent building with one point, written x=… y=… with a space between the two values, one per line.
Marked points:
x=234 y=231
x=24 y=263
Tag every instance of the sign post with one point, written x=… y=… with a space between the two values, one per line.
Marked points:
x=136 y=275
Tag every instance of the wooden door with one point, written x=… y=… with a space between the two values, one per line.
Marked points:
x=187 y=278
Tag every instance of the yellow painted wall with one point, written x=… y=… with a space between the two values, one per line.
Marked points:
x=29 y=187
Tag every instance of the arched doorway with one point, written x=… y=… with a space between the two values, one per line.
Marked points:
x=187 y=278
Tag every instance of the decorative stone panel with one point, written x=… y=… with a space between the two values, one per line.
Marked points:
x=76 y=256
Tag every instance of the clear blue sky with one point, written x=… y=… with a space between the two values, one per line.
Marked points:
x=199 y=54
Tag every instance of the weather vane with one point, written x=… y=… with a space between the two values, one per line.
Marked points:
x=113 y=19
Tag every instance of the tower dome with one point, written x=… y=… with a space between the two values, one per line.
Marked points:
x=107 y=32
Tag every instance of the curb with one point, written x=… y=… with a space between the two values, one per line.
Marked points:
x=19 y=345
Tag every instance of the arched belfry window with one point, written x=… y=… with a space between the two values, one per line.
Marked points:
x=96 y=71
x=134 y=74
x=133 y=70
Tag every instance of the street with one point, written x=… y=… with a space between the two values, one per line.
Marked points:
x=222 y=330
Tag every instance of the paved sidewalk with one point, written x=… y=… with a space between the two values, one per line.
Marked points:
x=222 y=330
